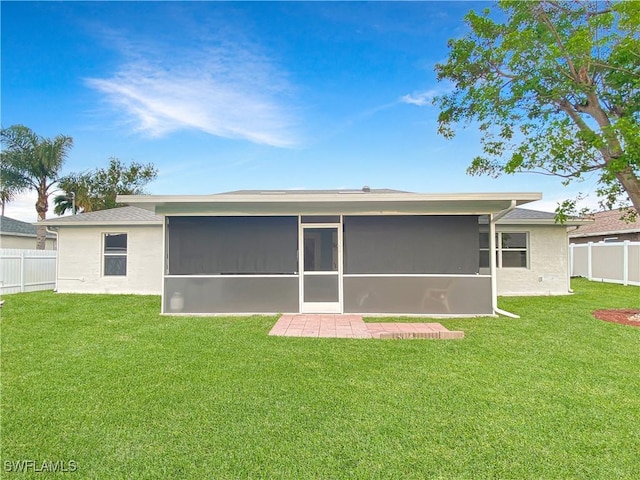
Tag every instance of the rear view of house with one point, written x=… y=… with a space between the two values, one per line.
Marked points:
x=349 y=251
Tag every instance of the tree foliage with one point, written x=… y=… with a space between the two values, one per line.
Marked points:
x=8 y=193
x=554 y=86
x=32 y=162
x=97 y=189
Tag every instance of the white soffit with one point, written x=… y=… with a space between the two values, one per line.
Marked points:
x=329 y=203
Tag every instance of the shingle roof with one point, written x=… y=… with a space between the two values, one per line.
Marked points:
x=526 y=214
x=11 y=226
x=141 y=215
x=605 y=223
x=132 y=215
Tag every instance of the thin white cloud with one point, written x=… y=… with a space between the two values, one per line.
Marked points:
x=420 y=99
x=226 y=91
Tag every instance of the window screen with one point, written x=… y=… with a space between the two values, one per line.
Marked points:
x=115 y=254
x=232 y=245
x=411 y=244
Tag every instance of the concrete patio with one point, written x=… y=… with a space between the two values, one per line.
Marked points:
x=352 y=326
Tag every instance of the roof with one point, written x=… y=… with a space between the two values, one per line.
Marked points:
x=606 y=223
x=364 y=189
x=524 y=216
x=11 y=226
x=112 y=216
x=345 y=201
x=138 y=216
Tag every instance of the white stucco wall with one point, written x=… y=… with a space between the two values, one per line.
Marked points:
x=80 y=260
x=23 y=241
x=548 y=272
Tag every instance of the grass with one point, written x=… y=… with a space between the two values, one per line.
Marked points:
x=125 y=393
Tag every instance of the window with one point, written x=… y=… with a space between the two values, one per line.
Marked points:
x=485 y=249
x=512 y=249
x=115 y=254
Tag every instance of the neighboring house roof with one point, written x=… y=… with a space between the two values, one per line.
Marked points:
x=112 y=216
x=606 y=223
x=17 y=228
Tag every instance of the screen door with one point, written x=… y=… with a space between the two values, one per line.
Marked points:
x=321 y=259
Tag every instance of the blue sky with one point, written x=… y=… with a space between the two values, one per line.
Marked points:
x=223 y=96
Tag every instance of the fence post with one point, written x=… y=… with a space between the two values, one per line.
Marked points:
x=22 y=275
x=589 y=260
x=571 y=269
x=625 y=265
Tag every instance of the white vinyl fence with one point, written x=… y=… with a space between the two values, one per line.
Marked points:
x=27 y=270
x=614 y=262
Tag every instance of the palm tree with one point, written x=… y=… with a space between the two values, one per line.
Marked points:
x=32 y=162
x=7 y=194
x=77 y=189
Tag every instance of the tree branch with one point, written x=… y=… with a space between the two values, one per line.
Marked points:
x=501 y=73
x=547 y=21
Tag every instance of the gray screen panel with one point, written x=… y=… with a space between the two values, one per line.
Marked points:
x=320 y=219
x=231 y=295
x=321 y=288
x=417 y=244
x=418 y=295
x=232 y=245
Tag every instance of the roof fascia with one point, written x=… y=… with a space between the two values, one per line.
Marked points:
x=357 y=203
x=86 y=223
x=15 y=234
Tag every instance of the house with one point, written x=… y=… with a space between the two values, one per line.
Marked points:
x=606 y=227
x=17 y=234
x=350 y=251
x=109 y=251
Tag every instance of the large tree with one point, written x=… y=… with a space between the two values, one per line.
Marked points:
x=97 y=189
x=554 y=86
x=32 y=162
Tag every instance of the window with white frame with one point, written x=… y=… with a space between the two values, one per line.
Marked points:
x=115 y=254
x=512 y=250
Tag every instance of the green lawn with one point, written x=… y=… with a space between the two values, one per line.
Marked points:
x=125 y=393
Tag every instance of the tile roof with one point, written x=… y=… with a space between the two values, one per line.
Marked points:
x=11 y=226
x=110 y=216
x=606 y=223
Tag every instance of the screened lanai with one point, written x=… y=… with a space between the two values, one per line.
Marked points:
x=371 y=253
